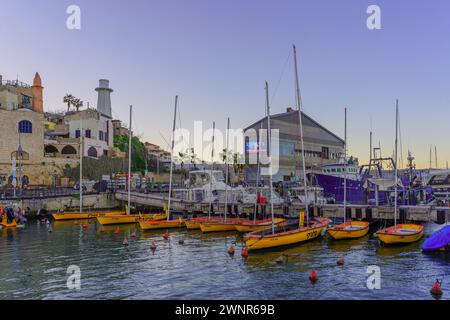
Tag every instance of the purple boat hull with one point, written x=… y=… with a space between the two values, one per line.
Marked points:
x=356 y=194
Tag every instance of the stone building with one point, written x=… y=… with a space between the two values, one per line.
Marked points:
x=22 y=134
x=63 y=139
x=321 y=145
x=118 y=129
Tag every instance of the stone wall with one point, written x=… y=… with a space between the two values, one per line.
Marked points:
x=90 y=202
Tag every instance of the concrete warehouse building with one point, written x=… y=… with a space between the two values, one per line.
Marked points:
x=321 y=145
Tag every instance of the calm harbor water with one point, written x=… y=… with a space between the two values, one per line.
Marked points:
x=33 y=264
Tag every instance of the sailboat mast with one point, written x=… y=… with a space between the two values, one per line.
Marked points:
x=226 y=170
x=395 y=175
x=257 y=175
x=269 y=154
x=300 y=109
x=129 y=162
x=171 y=156
x=81 y=164
x=345 y=165
x=211 y=171
x=435 y=156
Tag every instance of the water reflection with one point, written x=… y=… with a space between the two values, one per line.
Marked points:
x=34 y=263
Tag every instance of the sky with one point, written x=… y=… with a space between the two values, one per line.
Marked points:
x=216 y=55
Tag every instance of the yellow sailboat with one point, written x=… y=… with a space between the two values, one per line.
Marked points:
x=256 y=225
x=128 y=218
x=194 y=223
x=285 y=235
x=153 y=224
x=288 y=234
x=399 y=233
x=221 y=224
x=84 y=215
x=348 y=229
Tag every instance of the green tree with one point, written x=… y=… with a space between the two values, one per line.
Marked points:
x=69 y=99
x=137 y=151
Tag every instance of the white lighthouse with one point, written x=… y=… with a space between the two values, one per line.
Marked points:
x=104 y=98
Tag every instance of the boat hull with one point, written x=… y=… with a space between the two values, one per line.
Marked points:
x=84 y=215
x=256 y=241
x=258 y=225
x=401 y=234
x=5 y=224
x=221 y=225
x=194 y=223
x=161 y=224
x=349 y=230
x=128 y=219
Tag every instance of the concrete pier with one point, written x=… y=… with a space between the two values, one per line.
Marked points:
x=423 y=213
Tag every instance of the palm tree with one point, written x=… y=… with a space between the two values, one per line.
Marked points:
x=77 y=103
x=69 y=99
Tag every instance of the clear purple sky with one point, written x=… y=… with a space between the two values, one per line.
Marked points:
x=217 y=54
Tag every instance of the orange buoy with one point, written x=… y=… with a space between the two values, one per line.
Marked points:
x=340 y=261
x=244 y=252
x=125 y=242
x=153 y=245
x=134 y=233
x=117 y=231
x=231 y=250
x=313 y=276
x=166 y=235
x=436 y=290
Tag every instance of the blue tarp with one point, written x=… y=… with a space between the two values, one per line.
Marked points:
x=437 y=240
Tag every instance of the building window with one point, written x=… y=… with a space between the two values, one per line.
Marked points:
x=88 y=133
x=20 y=155
x=325 y=153
x=92 y=152
x=68 y=150
x=25 y=126
x=100 y=135
x=77 y=133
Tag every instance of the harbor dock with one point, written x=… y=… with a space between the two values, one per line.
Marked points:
x=418 y=213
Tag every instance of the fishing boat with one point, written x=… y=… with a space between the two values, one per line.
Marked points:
x=438 y=241
x=152 y=224
x=399 y=233
x=288 y=234
x=348 y=229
